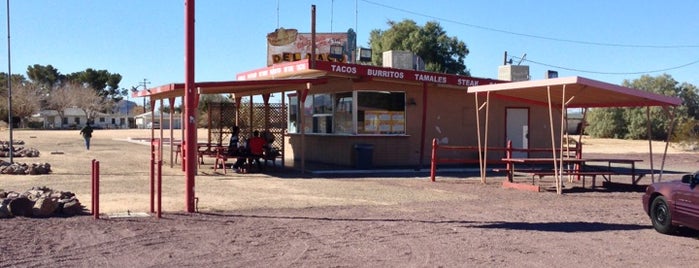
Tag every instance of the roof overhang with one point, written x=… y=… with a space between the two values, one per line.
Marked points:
x=296 y=75
x=241 y=88
x=576 y=92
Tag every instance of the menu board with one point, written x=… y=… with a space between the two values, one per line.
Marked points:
x=384 y=122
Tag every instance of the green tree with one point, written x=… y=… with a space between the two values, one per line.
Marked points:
x=632 y=123
x=690 y=99
x=45 y=77
x=606 y=123
x=103 y=82
x=440 y=52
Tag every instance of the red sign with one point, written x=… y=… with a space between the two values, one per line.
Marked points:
x=286 y=45
x=366 y=71
x=401 y=74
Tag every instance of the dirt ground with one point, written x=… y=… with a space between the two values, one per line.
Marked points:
x=283 y=219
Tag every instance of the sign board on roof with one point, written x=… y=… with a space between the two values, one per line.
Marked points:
x=287 y=45
x=369 y=71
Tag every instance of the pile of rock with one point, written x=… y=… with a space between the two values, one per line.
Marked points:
x=14 y=142
x=19 y=152
x=39 y=202
x=24 y=168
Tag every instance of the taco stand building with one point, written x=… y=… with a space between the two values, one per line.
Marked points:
x=363 y=116
x=339 y=113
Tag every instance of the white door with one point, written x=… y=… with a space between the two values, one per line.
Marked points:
x=517 y=129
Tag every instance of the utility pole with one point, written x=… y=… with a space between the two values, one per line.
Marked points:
x=9 y=86
x=145 y=86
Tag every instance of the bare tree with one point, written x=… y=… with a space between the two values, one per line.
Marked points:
x=62 y=98
x=89 y=101
x=26 y=101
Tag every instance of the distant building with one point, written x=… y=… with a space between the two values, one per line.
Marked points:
x=74 y=118
x=146 y=120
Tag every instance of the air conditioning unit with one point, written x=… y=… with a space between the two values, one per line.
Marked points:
x=513 y=73
x=402 y=60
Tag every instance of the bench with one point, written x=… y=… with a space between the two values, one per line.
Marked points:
x=222 y=157
x=178 y=152
x=606 y=174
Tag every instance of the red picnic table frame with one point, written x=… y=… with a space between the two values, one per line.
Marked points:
x=580 y=167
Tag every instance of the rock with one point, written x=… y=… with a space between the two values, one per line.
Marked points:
x=72 y=207
x=45 y=207
x=21 y=206
x=5 y=211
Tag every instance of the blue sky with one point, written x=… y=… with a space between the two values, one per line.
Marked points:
x=604 y=40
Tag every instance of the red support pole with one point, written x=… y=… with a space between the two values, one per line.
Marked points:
x=433 y=168
x=92 y=187
x=97 y=190
x=190 y=108
x=160 y=187
x=508 y=154
x=152 y=185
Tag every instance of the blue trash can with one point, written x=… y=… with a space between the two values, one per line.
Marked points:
x=363 y=156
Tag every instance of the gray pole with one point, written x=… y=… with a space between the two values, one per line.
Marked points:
x=9 y=82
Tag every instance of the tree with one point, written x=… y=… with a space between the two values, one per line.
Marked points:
x=606 y=123
x=62 y=98
x=26 y=101
x=440 y=52
x=46 y=77
x=89 y=101
x=104 y=83
x=18 y=81
x=632 y=123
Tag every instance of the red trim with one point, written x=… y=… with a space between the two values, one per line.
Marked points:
x=364 y=72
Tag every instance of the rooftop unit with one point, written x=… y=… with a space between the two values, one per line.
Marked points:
x=402 y=60
x=513 y=73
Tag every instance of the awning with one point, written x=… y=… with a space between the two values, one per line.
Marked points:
x=243 y=88
x=580 y=92
x=564 y=93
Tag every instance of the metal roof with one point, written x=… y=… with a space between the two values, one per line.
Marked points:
x=579 y=92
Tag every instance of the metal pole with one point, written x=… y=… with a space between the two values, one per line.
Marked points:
x=313 y=37
x=190 y=108
x=9 y=84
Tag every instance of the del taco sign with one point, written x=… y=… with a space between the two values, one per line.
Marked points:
x=287 y=45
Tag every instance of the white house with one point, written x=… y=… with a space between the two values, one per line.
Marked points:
x=146 y=119
x=76 y=118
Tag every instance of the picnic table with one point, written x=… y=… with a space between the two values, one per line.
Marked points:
x=579 y=167
x=203 y=148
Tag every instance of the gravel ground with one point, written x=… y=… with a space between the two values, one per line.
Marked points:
x=282 y=220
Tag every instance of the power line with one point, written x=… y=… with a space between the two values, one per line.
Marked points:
x=531 y=35
x=612 y=73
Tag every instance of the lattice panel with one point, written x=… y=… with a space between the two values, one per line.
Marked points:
x=221 y=119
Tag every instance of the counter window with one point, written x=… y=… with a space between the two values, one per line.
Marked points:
x=380 y=112
x=358 y=112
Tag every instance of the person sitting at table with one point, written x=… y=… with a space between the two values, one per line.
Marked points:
x=242 y=153
x=256 y=146
x=233 y=143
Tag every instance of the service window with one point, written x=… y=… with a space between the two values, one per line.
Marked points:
x=380 y=112
x=357 y=112
x=343 y=115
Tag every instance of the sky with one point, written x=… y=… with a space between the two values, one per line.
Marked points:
x=611 y=41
